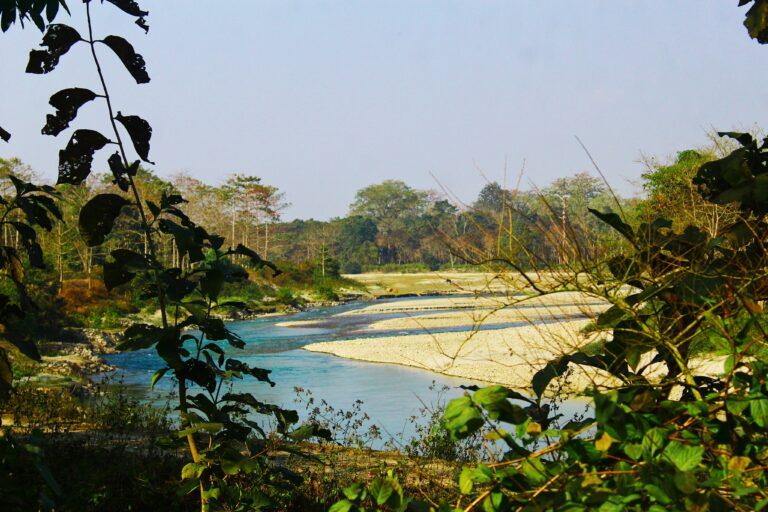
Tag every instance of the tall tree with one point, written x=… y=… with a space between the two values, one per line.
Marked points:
x=392 y=205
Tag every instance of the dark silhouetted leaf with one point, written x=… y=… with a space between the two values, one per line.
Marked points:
x=256 y=260
x=211 y=283
x=186 y=240
x=52 y=9
x=76 y=159
x=11 y=263
x=8 y=17
x=199 y=373
x=6 y=375
x=140 y=132
x=616 y=223
x=59 y=38
x=310 y=430
x=132 y=8
x=4 y=135
x=259 y=374
x=131 y=60
x=66 y=102
x=118 y=171
x=121 y=267
x=552 y=370
x=29 y=241
x=98 y=216
x=139 y=336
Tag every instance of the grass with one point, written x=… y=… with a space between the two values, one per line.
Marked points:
x=422 y=283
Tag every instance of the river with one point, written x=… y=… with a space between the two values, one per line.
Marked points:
x=391 y=394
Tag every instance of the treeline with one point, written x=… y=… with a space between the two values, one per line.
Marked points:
x=390 y=224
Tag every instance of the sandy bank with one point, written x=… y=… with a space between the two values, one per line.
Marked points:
x=491 y=310
x=478 y=317
x=506 y=356
x=424 y=282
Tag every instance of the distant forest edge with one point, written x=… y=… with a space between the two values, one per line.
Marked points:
x=390 y=226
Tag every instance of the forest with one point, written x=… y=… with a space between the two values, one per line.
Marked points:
x=165 y=266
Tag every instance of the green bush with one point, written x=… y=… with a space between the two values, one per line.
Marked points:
x=325 y=293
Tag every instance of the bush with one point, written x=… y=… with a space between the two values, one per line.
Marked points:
x=351 y=267
x=326 y=293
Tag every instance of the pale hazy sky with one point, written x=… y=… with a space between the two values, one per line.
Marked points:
x=322 y=98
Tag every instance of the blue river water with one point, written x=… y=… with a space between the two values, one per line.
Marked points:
x=390 y=393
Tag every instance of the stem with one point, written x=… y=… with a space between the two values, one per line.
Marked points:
x=150 y=245
x=144 y=223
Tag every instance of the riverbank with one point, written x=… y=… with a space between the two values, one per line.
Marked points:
x=525 y=334
x=546 y=328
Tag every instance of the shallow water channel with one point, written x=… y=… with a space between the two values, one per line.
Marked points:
x=390 y=393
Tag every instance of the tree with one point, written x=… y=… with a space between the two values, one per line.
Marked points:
x=357 y=243
x=393 y=206
x=673 y=195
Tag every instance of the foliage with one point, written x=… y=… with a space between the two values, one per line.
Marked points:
x=384 y=493
x=666 y=436
x=431 y=438
x=188 y=294
x=25 y=479
x=25 y=207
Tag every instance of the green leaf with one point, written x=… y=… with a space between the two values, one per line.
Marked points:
x=494 y=400
x=653 y=441
x=189 y=471
x=465 y=481
x=380 y=490
x=186 y=239
x=230 y=467
x=207 y=426
x=758 y=408
x=157 y=376
x=535 y=471
x=255 y=259
x=611 y=317
x=633 y=450
x=658 y=494
x=684 y=457
x=342 y=506
x=354 y=491
x=686 y=482
x=462 y=418
x=756 y=21
x=98 y=216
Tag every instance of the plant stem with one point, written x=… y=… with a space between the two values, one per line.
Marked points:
x=149 y=243
x=144 y=223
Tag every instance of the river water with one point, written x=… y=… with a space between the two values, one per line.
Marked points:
x=390 y=393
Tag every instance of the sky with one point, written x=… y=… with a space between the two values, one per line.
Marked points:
x=322 y=98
